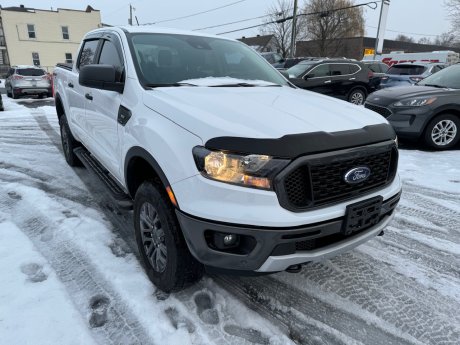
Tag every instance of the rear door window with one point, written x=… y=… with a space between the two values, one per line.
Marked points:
x=407 y=70
x=339 y=69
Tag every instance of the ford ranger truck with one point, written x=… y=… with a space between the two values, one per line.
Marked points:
x=227 y=166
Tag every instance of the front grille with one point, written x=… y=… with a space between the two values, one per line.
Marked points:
x=385 y=112
x=320 y=181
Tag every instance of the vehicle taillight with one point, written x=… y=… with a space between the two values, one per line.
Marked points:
x=416 y=79
x=17 y=77
x=370 y=74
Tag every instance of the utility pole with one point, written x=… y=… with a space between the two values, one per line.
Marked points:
x=130 y=20
x=293 y=30
x=381 y=28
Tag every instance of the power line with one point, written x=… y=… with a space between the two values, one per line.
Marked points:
x=326 y=13
x=197 y=13
x=245 y=20
x=230 y=23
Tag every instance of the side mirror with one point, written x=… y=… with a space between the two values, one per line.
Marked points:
x=103 y=77
x=308 y=76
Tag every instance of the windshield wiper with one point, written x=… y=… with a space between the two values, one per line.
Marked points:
x=243 y=85
x=170 y=85
x=435 y=85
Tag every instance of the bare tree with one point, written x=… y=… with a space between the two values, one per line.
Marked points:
x=453 y=8
x=424 y=40
x=404 y=38
x=446 y=39
x=331 y=24
x=282 y=28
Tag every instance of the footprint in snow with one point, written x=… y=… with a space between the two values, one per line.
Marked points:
x=205 y=308
x=99 y=307
x=252 y=335
x=14 y=195
x=34 y=272
x=69 y=214
x=179 y=321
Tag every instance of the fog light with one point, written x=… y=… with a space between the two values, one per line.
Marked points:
x=230 y=239
x=225 y=241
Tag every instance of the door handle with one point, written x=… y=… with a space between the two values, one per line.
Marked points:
x=70 y=84
x=328 y=82
x=88 y=96
x=352 y=79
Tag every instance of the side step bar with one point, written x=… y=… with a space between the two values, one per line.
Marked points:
x=122 y=199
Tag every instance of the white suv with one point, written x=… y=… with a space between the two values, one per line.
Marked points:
x=228 y=166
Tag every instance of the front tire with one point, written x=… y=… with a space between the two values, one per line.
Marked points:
x=357 y=96
x=68 y=143
x=164 y=253
x=443 y=132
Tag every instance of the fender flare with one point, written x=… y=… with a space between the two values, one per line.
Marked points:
x=137 y=151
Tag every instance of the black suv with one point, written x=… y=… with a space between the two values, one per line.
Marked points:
x=341 y=78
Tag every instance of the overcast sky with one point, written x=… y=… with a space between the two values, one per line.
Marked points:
x=414 y=18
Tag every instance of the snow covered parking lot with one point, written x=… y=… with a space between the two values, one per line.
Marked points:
x=70 y=275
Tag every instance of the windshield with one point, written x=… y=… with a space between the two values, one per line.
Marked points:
x=448 y=77
x=407 y=70
x=30 y=72
x=169 y=60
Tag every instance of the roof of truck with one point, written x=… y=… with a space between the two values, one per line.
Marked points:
x=157 y=30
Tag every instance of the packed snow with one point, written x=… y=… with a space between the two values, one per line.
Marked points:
x=70 y=272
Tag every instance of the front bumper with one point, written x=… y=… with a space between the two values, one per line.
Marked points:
x=408 y=122
x=266 y=249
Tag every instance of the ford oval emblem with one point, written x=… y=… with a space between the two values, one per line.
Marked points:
x=357 y=175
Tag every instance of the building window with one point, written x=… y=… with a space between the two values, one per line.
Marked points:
x=36 y=59
x=65 y=32
x=68 y=58
x=31 y=30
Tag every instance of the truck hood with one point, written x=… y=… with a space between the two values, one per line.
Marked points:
x=255 y=112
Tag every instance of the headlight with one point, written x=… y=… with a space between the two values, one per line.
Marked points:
x=415 y=102
x=256 y=171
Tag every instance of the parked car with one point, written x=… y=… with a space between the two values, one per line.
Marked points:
x=226 y=164
x=274 y=58
x=341 y=78
x=27 y=81
x=405 y=74
x=428 y=111
x=377 y=71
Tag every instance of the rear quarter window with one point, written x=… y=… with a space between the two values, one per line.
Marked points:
x=354 y=69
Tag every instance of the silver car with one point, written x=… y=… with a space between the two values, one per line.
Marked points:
x=27 y=81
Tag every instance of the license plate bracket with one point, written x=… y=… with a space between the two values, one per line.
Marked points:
x=362 y=215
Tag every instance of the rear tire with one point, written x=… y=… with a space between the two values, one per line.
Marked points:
x=8 y=93
x=443 y=132
x=68 y=143
x=165 y=255
x=357 y=96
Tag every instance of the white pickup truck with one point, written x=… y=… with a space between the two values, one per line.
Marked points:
x=226 y=165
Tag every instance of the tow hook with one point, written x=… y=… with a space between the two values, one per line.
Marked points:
x=294 y=269
x=381 y=233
